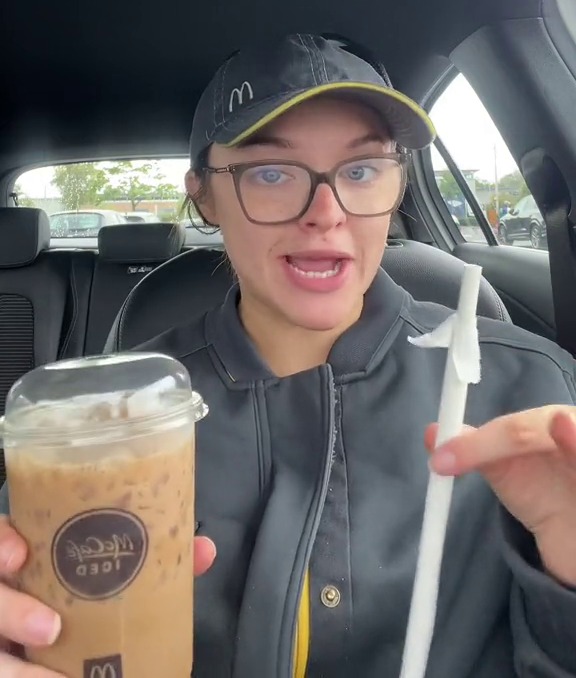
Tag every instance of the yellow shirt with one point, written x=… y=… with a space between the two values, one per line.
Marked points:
x=302 y=644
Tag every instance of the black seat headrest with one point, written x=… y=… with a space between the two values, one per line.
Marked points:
x=24 y=233
x=193 y=282
x=177 y=291
x=139 y=243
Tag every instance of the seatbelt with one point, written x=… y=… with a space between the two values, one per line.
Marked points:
x=552 y=193
x=562 y=251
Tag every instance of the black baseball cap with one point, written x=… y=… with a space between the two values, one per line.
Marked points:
x=258 y=84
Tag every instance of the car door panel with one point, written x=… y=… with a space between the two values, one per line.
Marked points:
x=521 y=276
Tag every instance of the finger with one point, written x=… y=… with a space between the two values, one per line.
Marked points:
x=204 y=555
x=431 y=434
x=26 y=620
x=506 y=437
x=12 y=548
x=563 y=432
x=11 y=667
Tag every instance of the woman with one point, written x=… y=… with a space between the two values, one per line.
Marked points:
x=311 y=471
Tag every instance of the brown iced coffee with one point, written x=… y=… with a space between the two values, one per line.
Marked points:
x=109 y=522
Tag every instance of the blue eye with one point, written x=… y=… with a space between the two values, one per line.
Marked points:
x=271 y=176
x=360 y=173
x=268 y=176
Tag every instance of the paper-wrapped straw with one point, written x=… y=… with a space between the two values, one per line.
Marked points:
x=460 y=335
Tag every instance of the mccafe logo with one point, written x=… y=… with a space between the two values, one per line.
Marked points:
x=97 y=554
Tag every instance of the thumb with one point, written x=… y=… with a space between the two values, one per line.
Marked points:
x=13 y=548
x=431 y=434
x=204 y=555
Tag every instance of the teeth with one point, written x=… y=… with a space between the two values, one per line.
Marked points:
x=318 y=274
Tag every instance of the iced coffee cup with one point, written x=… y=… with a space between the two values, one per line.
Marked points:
x=100 y=469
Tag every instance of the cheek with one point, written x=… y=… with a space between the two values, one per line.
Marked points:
x=371 y=239
x=223 y=201
x=248 y=245
x=240 y=243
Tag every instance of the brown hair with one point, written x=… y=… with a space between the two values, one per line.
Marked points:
x=190 y=205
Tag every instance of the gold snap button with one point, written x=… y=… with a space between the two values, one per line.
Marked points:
x=330 y=596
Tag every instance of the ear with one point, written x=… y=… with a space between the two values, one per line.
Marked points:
x=201 y=196
x=192 y=182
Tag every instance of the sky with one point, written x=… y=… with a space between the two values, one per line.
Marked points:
x=460 y=118
x=469 y=134
x=36 y=183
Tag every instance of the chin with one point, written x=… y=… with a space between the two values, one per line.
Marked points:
x=322 y=317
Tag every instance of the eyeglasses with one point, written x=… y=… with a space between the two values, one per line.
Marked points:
x=274 y=192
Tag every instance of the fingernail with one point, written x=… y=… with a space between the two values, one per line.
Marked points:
x=44 y=625
x=443 y=461
x=213 y=547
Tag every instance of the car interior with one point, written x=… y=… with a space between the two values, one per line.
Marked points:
x=71 y=95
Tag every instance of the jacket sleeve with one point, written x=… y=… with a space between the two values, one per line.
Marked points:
x=542 y=611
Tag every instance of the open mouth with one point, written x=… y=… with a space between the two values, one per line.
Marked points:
x=315 y=269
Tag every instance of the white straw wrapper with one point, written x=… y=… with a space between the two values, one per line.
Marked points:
x=459 y=334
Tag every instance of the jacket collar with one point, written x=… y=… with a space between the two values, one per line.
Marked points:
x=353 y=352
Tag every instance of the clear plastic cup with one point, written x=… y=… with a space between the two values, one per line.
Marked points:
x=100 y=470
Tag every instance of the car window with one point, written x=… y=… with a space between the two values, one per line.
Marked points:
x=460 y=209
x=75 y=225
x=80 y=198
x=478 y=150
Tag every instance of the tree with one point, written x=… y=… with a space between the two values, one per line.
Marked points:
x=448 y=187
x=483 y=185
x=80 y=184
x=136 y=183
x=513 y=186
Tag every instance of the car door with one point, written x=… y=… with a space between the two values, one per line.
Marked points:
x=523 y=73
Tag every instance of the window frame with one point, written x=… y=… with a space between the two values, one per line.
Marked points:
x=469 y=196
x=425 y=188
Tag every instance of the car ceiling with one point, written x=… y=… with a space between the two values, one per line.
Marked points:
x=85 y=80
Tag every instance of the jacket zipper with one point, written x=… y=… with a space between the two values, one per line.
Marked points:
x=321 y=499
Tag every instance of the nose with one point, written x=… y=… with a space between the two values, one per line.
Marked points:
x=324 y=211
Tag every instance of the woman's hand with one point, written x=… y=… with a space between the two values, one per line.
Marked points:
x=25 y=621
x=529 y=459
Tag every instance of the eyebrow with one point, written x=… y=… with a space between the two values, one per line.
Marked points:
x=371 y=137
x=265 y=140
x=280 y=142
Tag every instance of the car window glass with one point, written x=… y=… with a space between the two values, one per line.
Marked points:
x=480 y=153
x=459 y=208
x=80 y=198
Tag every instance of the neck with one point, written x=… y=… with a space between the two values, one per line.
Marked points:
x=286 y=348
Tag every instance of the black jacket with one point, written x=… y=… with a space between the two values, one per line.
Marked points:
x=327 y=470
